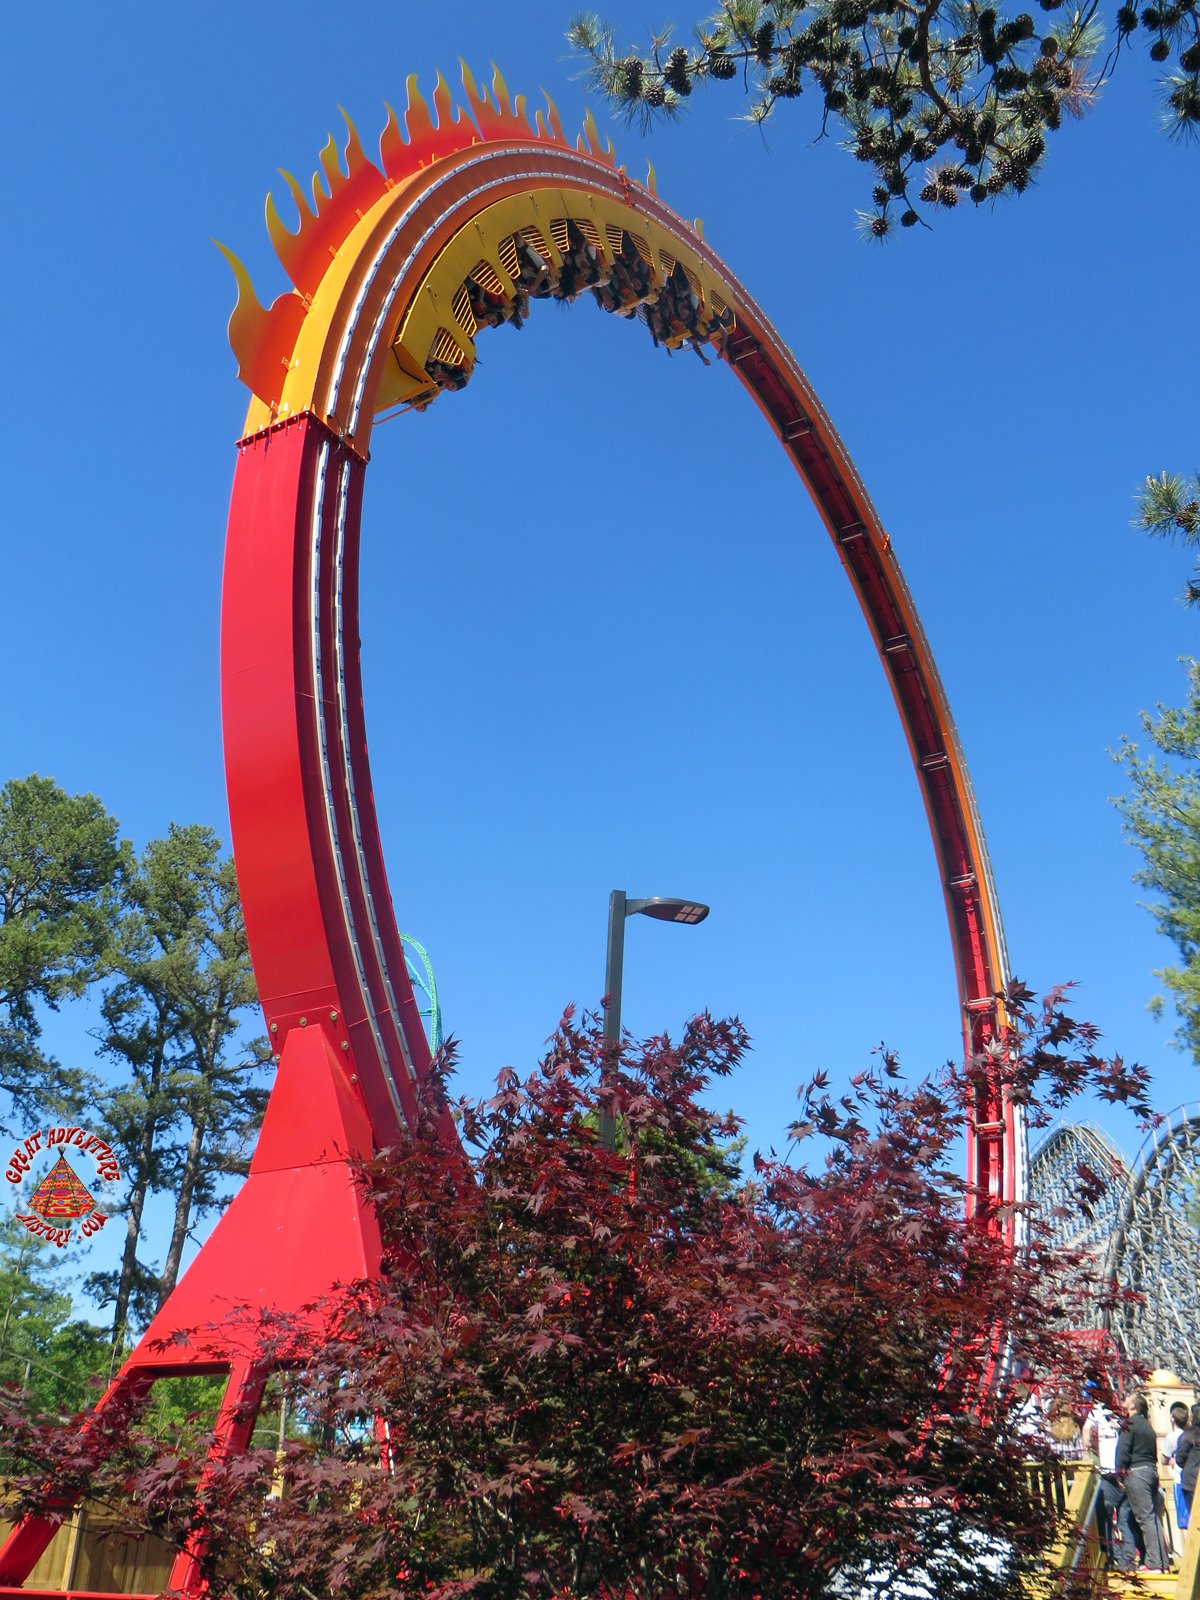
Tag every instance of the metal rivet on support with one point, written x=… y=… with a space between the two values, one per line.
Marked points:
x=304 y=1022
x=345 y=1044
x=333 y=1016
x=354 y=1077
x=274 y=1027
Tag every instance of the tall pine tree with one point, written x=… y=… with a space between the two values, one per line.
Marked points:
x=192 y=1096
x=60 y=865
x=1162 y=817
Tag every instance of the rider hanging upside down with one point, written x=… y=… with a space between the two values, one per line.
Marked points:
x=534 y=271
x=628 y=285
x=582 y=267
x=447 y=376
x=487 y=307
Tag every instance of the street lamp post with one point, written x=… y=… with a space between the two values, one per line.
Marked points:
x=663 y=909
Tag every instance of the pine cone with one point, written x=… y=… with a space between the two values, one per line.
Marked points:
x=629 y=77
x=675 y=73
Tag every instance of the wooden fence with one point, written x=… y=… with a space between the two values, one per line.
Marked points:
x=90 y=1553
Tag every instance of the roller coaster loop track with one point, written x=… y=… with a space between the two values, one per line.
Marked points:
x=396 y=268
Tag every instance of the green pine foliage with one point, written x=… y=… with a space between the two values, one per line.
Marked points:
x=946 y=101
x=160 y=939
x=61 y=865
x=1169 y=508
x=58 y=1361
x=189 y=1096
x=1162 y=818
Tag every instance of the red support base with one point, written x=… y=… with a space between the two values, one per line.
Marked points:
x=297 y=1228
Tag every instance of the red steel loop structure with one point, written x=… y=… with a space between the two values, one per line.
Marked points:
x=394 y=270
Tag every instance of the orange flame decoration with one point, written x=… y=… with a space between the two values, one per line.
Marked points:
x=305 y=254
x=427 y=139
x=263 y=339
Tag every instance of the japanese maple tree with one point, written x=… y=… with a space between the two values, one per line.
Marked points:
x=628 y=1373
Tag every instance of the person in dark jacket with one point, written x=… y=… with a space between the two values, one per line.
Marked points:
x=1187 y=1455
x=1114 y=1520
x=1137 y=1463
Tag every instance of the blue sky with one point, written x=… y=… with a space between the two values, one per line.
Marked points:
x=606 y=641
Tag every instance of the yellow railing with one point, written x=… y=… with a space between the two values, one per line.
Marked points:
x=1070 y=1491
x=1067 y=1489
x=1187 y=1584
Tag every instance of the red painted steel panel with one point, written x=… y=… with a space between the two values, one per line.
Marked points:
x=266 y=708
x=297 y=1227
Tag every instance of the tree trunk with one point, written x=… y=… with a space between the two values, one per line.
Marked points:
x=208 y=1053
x=183 y=1207
x=133 y=1225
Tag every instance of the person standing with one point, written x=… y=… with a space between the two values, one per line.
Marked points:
x=1137 y=1465
x=1187 y=1454
x=1101 y=1433
x=1166 y=1456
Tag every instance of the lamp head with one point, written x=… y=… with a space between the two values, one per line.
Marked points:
x=665 y=909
